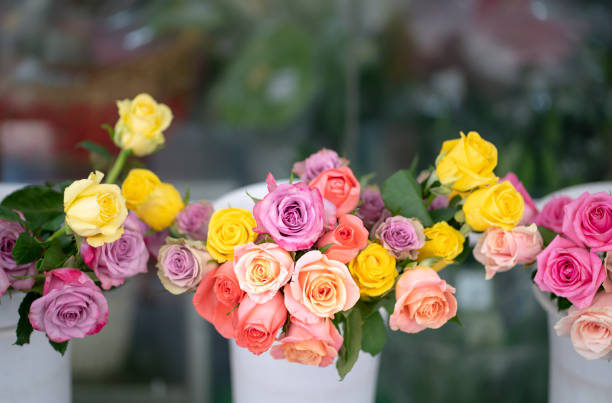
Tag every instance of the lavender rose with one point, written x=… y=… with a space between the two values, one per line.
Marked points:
x=9 y=232
x=318 y=162
x=193 y=220
x=71 y=306
x=293 y=215
x=371 y=207
x=401 y=236
x=114 y=262
x=182 y=264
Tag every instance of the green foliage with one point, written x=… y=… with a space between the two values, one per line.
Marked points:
x=26 y=249
x=96 y=148
x=8 y=214
x=547 y=235
x=110 y=130
x=39 y=204
x=325 y=248
x=54 y=256
x=24 y=328
x=443 y=214
x=59 y=347
x=353 y=334
x=374 y=334
x=563 y=304
x=402 y=194
x=456 y=320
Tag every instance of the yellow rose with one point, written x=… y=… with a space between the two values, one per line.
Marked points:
x=373 y=270
x=500 y=205
x=138 y=186
x=227 y=229
x=161 y=206
x=95 y=211
x=467 y=163
x=141 y=124
x=444 y=242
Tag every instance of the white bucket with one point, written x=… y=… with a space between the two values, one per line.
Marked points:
x=263 y=379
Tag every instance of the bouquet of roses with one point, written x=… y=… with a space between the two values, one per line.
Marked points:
x=306 y=272
x=65 y=244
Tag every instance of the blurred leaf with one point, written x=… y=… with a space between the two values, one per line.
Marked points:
x=95 y=148
x=547 y=235
x=24 y=327
x=402 y=194
x=38 y=204
x=443 y=214
x=353 y=334
x=59 y=347
x=374 y=334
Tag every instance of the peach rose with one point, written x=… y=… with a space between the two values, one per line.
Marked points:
x=320 y=286
x=309 y=344
x=340 y=187
x=216 y=298
x=347 y=239
x=256 y=325
x=262 y=269
x=607 y=284
x=424 y=301
x=590 y=329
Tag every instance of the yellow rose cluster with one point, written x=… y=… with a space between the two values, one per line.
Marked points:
x=374 y=270
x=227 y=229
x=154 y=202
x=443 y=242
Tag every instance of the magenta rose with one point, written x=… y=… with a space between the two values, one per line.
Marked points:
x=531 y=210
x=193 y=220
x=552 y=214
x=9 y=232
x=570 y=271
x=71 y=306
x=371 y=207
x=401 y=236
x=588 y=221
x=318 y=162
x=292 y=214
x=114 y=262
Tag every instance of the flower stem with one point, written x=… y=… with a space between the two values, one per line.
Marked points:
x=57 y=234
x=118 y=166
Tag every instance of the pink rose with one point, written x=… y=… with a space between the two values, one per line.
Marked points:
x=309 y=344
x=423 y=300
x=9 y=232
x=182 y=263
x=531 y=210
x=500 y=250
x=588 y=221
x=330 y=216
x=258 y=324
x=193 y=220
x=216 y=298
x=316 y=163
x=71 y=306
x=439 y=202
x=262 y=269
x=590 y=329
x=320 y=287
x=340 y=187
x=552 y=214
x=347 y=239
x=155 y=241
x=570 y=271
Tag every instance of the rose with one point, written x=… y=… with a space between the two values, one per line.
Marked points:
x=531 y=210
x=423 y=301
x=570 y=271
x=71 y=306
x=330 y=218
x=401 y=236
x=346 y=240
x=467 y=163
x=316 y=163
x=155 y=241
x=114 y=262
x=227 y=229
x=443 y=242
x=262 y=269
x=310 y=344
x=95 y=211
x=9 y=233
x=193 y=220
x=608 y=266
x=291 y=213
x=141 y=124
x=320 y=287
x=499 y=205
x=256 y=325
x=371 y=207
x=340 y=187
x=590 y=329
x=137 y=186
x=500 y=250
x=374 y=270
x=217 y=296
x=161 y=207
x=588 y=221
x=552 y=214
x=439 y=202
x=182 y=264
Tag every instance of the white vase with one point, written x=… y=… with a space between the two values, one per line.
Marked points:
x=572 y=378
x=35 y=372
x=264 y=379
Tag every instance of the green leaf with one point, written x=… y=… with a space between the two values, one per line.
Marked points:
x=24 y=327
x=59 y=347
x=563 y=304
x=110 y=130
x=456 y=320
x=95 y=148
x=325 y=248
x=402 y=193
x=187 y=195
x=374 y=334
x=547 y=235
x=7 y=214
x=349 y=352
x=443 y=214
x=414 y=164
x=466 y=251
x=365 y=180
x=255 y=199
x=39 y=204
x=54 y=257
x=26 y=249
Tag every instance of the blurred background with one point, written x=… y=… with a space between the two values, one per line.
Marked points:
x=257 y=84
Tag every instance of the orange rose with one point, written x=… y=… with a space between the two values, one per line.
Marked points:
x=347 y=239
x=340 y=187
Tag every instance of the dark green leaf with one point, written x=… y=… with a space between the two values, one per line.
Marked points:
x=349 y=352
x=563 y=304
x=465 y=253
x=374 y=334
x=7 y=214
x=443 y=214
x=26 y=249
x=325 y=248
x=54 y=257
x=59 y=347
x=96 y=148
x=24 y=327
x=456 y=320
x=187 y=195
x=402 y=193
x=39 y=204
x=55 y=223
x=547 y=235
